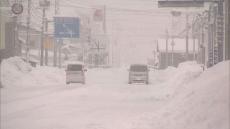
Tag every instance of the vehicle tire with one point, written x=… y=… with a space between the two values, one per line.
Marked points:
x=147 y=82
x=67 y=83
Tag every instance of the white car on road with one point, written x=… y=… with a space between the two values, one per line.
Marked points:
x=75 y=73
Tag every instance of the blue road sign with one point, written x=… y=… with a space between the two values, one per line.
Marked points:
x=66 y=27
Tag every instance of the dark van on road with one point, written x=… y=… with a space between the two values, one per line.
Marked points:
x=138 y=73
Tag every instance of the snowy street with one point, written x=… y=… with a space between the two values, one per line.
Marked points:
x=107 y=101
x=114 y=64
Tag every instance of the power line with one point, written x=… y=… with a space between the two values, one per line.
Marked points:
x=70 y=4
x=140 y=12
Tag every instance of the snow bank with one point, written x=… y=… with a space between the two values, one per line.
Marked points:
x=44 y=76
x=185 y=73
x=201 y=104
x=13 y=69
x=16 y=72
x=161 y=76
x=172 y=80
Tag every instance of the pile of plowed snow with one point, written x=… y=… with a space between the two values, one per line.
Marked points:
x=13 y=69
x=172 y=80
x=16 y=72
x=185 y=73
x=201 y=104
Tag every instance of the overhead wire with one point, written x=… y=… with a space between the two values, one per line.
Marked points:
x=69 y=3
x=129 y=11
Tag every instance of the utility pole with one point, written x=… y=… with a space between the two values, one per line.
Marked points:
x=105 y=29
x=202 y=45
x=193 y=37
x=199 y=46
x=210 y=38
x=28 y=30
x=215 y=43
x=194 y=51
x=104 y=20
x=46 y=42
x=44 y=4
x=55 y=40
x=42 y=37
x=174 y=14
x=167 y=37
x=16 y=33
x=59 y=52
x=56 y=11
x=186 y=38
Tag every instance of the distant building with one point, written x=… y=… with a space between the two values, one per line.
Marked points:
x=35 y=36
x=9 y=45
x=98 y=54
x=176 y=54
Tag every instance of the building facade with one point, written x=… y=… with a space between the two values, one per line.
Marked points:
x=212 y=33
x=176 y=52
x=8 y=36
x=227 y=30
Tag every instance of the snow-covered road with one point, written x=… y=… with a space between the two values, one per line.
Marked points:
x=105 y=101
x=39 y=99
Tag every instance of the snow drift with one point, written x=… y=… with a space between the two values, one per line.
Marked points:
x=201 y=104
x=16 y=72
x=172 y=80
x=13 y=69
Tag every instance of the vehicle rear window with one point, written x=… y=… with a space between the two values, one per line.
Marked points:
x=74 y=67
x=138 y=68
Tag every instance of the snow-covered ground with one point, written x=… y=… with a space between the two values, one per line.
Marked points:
x=176 y=98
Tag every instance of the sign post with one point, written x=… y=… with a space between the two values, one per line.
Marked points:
x=65 y=27
x=17 y=8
